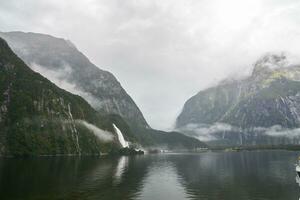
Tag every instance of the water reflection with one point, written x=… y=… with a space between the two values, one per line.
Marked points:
x=162 y=181
x=298 y=180
x=70 y=178
x=236 y=175
x=241 y=175
x=121 y=167
x=122 y=180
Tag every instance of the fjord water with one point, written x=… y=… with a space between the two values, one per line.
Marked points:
x=211 y=175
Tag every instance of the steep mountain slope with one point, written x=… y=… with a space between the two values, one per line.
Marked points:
x=210 y=105
x=60 y=61
x=269 y=98
x=37 y=117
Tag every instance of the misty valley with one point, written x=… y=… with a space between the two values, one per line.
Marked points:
x=180 y=101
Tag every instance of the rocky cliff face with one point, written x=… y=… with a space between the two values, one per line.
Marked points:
x=265 y=104
x=60 y=62
x=37 y=117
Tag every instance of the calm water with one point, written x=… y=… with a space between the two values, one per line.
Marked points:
x=236 y=175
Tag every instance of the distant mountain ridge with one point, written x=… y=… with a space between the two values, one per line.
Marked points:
x=61 y=62
x=269 y=98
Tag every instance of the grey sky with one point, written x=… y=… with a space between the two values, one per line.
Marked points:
x=164 y=51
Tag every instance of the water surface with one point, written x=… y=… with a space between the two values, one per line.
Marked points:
x=255 y=175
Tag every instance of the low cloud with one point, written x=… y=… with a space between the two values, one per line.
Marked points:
x=279 y=131
x=59 y=78
x=205 y=132
x=210 y=132
x=101 y=134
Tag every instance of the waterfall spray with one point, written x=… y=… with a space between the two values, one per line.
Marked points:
x=121 y=139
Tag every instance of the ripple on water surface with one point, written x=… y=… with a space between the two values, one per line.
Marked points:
x=214 y=176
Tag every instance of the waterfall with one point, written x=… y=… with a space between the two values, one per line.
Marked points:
x=121 y=139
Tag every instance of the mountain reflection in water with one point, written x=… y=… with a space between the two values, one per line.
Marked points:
x=220 y=175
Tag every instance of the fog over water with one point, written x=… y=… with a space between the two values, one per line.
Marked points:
x=163 y=52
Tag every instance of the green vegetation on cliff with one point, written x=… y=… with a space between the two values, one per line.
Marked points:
x=37 y=117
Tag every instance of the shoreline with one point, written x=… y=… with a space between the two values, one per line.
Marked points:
x=213 y=149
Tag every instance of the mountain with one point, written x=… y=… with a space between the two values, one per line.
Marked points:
x=59 y=61
x=263 y=108
x=38 y=118
x=63 y=64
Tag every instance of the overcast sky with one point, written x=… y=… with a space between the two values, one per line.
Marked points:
x=164 y=51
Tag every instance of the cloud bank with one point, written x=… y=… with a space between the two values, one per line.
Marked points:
x=210 y=132
x=58 y=78
x=163 y=52
x=206 y=132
